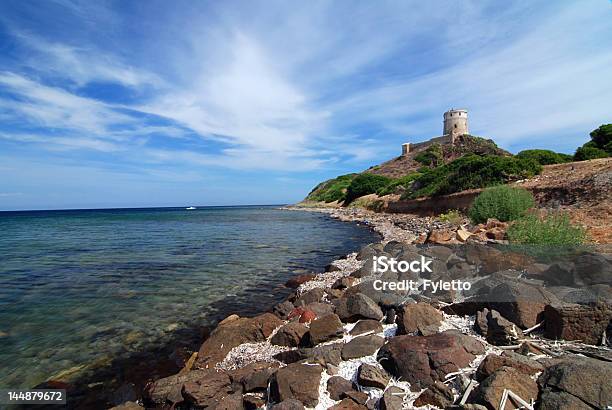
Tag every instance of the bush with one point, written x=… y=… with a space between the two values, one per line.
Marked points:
x=602 y=137
x=392 y=186
x=472 y=171
x=365 y=184
x=432 y=156
x=587 y=152
x=552 y=229
x=503 y=202
x=544 y=156
x=331 y=190
x=453 y=217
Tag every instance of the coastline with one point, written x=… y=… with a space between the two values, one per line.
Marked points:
x=283 y=341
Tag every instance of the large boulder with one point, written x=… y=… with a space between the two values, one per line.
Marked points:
x=493 y=362
x=297 y=381
x=170 y=389
x=366 y=326
x=385 y=298
x=325 y=328
x=231 y=334
x=372 y=376
x=586 y=380
x=362 y=346
x=422 y=360
x=337 y=386
x=490 y=391
x=311 y=296
x=593 y=268
x=438 y=395
x=519 y=301
x=290 y=335
x=501 y=331
x=586 y=323
x=208 y=391
x=253 y=377
x=420 y=318
x=353 y=307
x=392 y=399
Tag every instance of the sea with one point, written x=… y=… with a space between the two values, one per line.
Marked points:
x=81 y=288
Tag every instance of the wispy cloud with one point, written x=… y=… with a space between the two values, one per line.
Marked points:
x=317 y=86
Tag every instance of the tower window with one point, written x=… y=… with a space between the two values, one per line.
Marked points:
x=455 y=125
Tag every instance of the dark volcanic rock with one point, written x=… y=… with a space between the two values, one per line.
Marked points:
x=254 y=376
x=283 y=309
x=490 y=391
x=311 y=296
x=500 y=331
x=208 y=390
x=321 y=309
x=297 y=381
x=358 y=306
x=290 y=335
x=577 y=322
x=348 y=404
x=232 y=401
x=326 y=354
x=585 y=379
x=356 y=396
x=392 y=399
x=438 y=395
x=362 y=346
x=592 y=269
x=481 y=323
x=390 y=316
x=493 y=362
x=420 y=317
x=385 y=298
x=365 y=326
x=229 y=335
x=169 y=389
x=372 y=376
x=369 y=250
x=421 y=360
x=337 y=385
x=252 y=402
x=289 y=404
x=325 y=328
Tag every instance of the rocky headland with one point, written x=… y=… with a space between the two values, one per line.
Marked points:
x=528 y=333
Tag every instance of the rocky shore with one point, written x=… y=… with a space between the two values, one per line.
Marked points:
x=527 y=333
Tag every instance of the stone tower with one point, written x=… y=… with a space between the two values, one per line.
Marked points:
x=455 y=123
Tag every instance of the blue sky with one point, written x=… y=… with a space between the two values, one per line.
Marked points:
x=160 y=103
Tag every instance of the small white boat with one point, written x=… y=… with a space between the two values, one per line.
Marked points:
x=191 y=208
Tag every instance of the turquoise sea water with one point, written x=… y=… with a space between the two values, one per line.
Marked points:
x=80 y=287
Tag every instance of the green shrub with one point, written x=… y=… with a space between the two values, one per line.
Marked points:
x=552 y=229
x=432 y=156
x=472 y=171
x=600 y=145
x=365 y=184
x=544 y=156
x=392 y=186
x=453 y=217
x=602 y=137
x=503 y=202
x=587 y=152
x=331 y=190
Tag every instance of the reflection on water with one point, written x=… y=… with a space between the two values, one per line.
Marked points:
x=80 y=287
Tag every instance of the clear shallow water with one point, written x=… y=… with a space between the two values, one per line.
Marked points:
x=78 y=288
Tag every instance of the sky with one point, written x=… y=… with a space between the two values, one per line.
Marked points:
x=179 y=103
